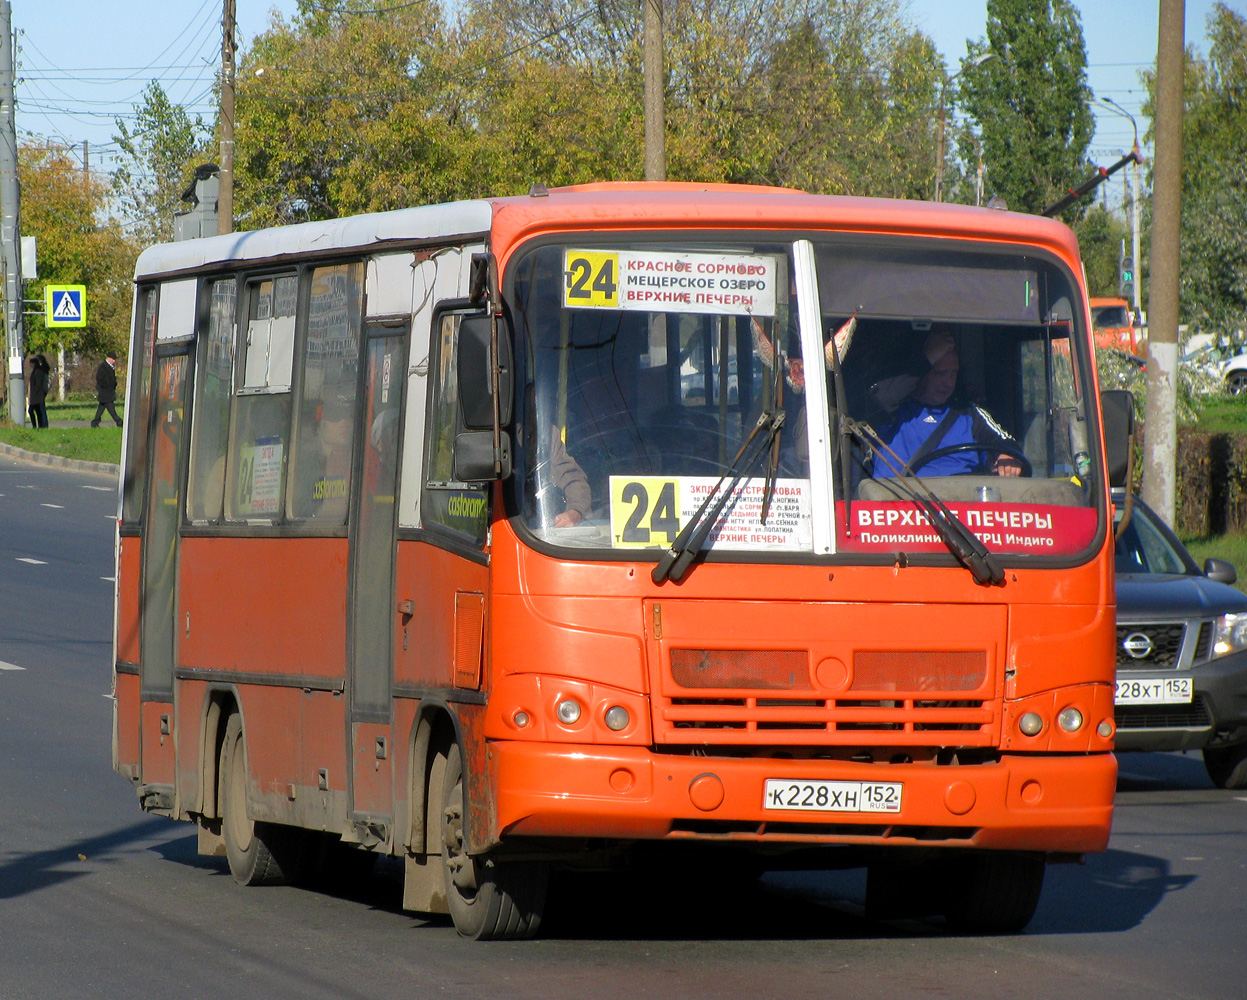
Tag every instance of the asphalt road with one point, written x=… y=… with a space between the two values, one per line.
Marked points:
x=99 y=901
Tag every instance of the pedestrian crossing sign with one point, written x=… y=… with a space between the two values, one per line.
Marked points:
x=65 y=305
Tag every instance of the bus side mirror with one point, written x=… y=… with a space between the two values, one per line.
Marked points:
x=1117 y=409
x=476 y=400
x=474 y=457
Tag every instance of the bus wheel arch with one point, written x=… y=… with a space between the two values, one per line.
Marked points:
x=488 y=898
x=219 y=705
x=434 y=732
x=255 y=850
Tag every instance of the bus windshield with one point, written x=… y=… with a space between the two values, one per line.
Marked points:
x=647 y=365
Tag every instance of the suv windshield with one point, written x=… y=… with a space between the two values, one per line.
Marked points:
x=1144 y=546
x=645 y=366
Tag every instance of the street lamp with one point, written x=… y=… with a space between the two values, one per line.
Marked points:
x=1135 y=193
x=978 y=60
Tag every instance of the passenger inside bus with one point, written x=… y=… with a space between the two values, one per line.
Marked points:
x=324 y=460
x=569 y=480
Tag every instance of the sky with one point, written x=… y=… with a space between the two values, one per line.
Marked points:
x=83 y=63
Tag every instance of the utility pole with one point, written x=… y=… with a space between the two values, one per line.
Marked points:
x=655 y=112
x=10 y=232
x=1160 y=426
x=225 y=198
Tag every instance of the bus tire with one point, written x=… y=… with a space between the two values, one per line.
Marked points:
x=993 y=892
x=251 y=848
x=489 y=900
x=1227 y=766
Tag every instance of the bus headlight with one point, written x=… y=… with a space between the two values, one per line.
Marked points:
x=1031 y=723
x=568 y=711
x=617 y=718
x=1070 y=720
x=1231 y=634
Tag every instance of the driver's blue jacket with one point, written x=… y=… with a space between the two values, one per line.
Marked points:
x=913 y=423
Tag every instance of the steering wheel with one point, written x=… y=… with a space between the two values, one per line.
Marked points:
x=996 y=448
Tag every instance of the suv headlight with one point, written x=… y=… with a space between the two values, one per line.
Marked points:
x=1231 y=634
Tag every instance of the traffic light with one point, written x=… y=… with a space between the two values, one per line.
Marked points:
x=1125 y=278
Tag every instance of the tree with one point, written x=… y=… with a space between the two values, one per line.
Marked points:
x=1030 y=102
x=1100 y=235
x=62 y=208
x=160 y=152
x=341 y=112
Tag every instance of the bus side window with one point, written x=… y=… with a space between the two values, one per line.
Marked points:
x=461 y=508
x=320 y=478
x=206 y=494
x=139 y=390
x=260 y=430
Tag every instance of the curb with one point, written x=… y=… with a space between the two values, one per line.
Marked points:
x=60 y=462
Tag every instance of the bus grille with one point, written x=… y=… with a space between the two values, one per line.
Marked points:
x=895 y=697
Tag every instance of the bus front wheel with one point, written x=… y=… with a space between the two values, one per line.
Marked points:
x=489 y=899
x=993 y=892
x=252 y=848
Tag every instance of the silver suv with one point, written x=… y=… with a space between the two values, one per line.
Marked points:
x=1181 y=649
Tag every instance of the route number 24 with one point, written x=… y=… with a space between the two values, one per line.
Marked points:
x=648 y=517
x=592 y=279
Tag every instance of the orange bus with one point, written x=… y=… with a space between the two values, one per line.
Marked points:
x=1112 y=323
x=565 y=531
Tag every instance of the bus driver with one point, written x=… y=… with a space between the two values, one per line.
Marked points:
x=923 y=417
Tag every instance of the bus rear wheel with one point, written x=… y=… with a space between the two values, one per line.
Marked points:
x=254 y=850
x=993 y=892
x=489 y=899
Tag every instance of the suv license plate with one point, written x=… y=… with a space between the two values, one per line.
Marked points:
x=833 y=796
x=1154 y=691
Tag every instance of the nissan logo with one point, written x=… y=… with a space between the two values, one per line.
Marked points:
x=1137 y=645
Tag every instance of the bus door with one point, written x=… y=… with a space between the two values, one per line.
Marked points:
x=370 y=624
x=158 y=604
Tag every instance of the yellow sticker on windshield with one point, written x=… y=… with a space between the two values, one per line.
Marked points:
x=591 y=279
x=645 y=511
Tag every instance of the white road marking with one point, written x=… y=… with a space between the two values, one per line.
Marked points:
x=110 y=579
x=33 y=562
x=20 y=487
x=54 y=506
x=106 y=489
x=10 y=666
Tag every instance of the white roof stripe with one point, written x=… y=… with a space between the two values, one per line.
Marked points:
x=462 y=218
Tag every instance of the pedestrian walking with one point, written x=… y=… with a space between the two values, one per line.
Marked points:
x=40 y=383
x=106 y=390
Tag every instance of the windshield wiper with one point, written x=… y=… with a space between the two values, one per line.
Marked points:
x=963 y=543
x=692 y=537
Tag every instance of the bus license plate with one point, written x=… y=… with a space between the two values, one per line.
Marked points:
x=833 y=796
x=1154 y=691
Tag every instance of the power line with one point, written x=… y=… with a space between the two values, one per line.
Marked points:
x=379 y=10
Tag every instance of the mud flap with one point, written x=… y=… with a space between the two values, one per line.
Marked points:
x=424 y=887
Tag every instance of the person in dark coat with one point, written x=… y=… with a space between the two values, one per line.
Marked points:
x=106 y=390
x=40 y=383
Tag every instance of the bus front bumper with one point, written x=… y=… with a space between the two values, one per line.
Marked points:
x=1024 y=802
